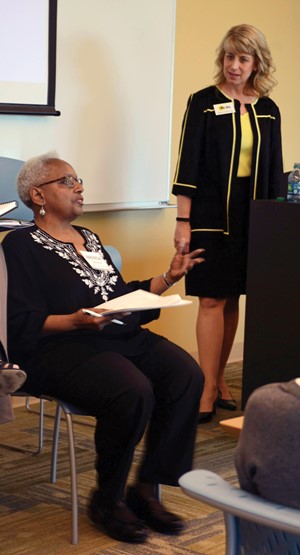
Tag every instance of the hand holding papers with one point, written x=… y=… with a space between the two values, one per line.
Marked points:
x=141 y=300
x=93 y=313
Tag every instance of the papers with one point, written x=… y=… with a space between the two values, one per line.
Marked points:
x=7 y=207
x=142 y=300
x=13 y=224
x=10 y=224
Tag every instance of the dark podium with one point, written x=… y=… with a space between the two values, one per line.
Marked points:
x=272 y=322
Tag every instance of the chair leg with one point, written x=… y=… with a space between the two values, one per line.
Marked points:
x=55 y=443
x=74 y=494
x=40 y=442
x=33 y=411
x=41 y=427
x=158 y=491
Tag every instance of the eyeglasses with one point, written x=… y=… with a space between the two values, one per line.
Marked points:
x=67 y=180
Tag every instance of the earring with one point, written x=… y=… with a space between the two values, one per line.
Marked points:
x=42 y=211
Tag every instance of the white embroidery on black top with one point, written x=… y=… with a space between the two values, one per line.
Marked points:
x=98 y=280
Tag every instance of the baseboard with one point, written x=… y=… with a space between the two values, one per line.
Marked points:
x=20 y=401
x=237 y=352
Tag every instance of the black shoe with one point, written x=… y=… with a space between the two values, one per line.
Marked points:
x=153 y=513
x=204 y=417
x=118 y=521
x=227 y=404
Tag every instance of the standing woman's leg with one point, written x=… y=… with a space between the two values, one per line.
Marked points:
x=210 y=338
x=231 y=318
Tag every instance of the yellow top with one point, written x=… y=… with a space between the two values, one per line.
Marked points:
x=244 y=168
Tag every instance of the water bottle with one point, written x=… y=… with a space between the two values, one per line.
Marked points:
x=293 y=192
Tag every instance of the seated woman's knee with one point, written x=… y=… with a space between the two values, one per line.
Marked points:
x=138 y=393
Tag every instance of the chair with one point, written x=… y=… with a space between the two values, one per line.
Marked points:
x=9 y=168
x=253 y=525
x=68 y=410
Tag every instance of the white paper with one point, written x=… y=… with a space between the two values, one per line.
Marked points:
x=13 y=224
x=142 y=300
x=7 y=207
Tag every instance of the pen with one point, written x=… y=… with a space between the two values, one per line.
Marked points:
x=92 y=313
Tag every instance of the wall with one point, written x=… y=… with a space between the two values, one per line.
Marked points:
x=145 y=237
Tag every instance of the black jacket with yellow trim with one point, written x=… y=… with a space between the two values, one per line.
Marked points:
x=209 y=156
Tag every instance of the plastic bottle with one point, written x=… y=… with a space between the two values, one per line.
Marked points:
x=293 y=192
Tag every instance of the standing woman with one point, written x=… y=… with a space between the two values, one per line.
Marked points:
x=230 y=153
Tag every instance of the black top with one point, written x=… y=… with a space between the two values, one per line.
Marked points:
x=209 y=157
x=49 y=277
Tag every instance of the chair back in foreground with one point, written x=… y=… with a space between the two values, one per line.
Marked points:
x=253 y=525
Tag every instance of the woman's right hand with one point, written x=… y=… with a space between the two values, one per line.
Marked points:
x=85 y=320
x=80 y=320
x=182 y=237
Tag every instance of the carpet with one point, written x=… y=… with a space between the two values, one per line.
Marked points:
x=35 y=515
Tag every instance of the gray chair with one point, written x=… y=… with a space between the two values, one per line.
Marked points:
x=253 y=525
x=68 y=411
x=9 y=168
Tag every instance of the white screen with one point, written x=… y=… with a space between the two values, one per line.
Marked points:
x=24 y=40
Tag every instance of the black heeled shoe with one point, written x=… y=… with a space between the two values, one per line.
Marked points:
x=117 y=521
x=204 y=417
x=227 y=404
x=153 y=513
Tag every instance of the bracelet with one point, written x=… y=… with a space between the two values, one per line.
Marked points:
x=166 y=281
x=183 y=219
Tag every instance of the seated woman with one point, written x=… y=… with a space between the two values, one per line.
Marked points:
x=126 y=376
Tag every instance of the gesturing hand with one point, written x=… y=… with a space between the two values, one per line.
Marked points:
x=183 y=262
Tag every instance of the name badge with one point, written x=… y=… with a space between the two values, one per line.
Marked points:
x=224 y=108
x=95 y=260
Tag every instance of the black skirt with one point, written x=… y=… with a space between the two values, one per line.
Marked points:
x=224 y=272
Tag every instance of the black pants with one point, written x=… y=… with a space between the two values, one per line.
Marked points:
x=161 y=387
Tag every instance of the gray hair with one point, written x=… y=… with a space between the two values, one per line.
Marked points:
x=33 y=172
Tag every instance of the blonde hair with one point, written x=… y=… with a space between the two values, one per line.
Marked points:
x=246 y=38
x=36 y=170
